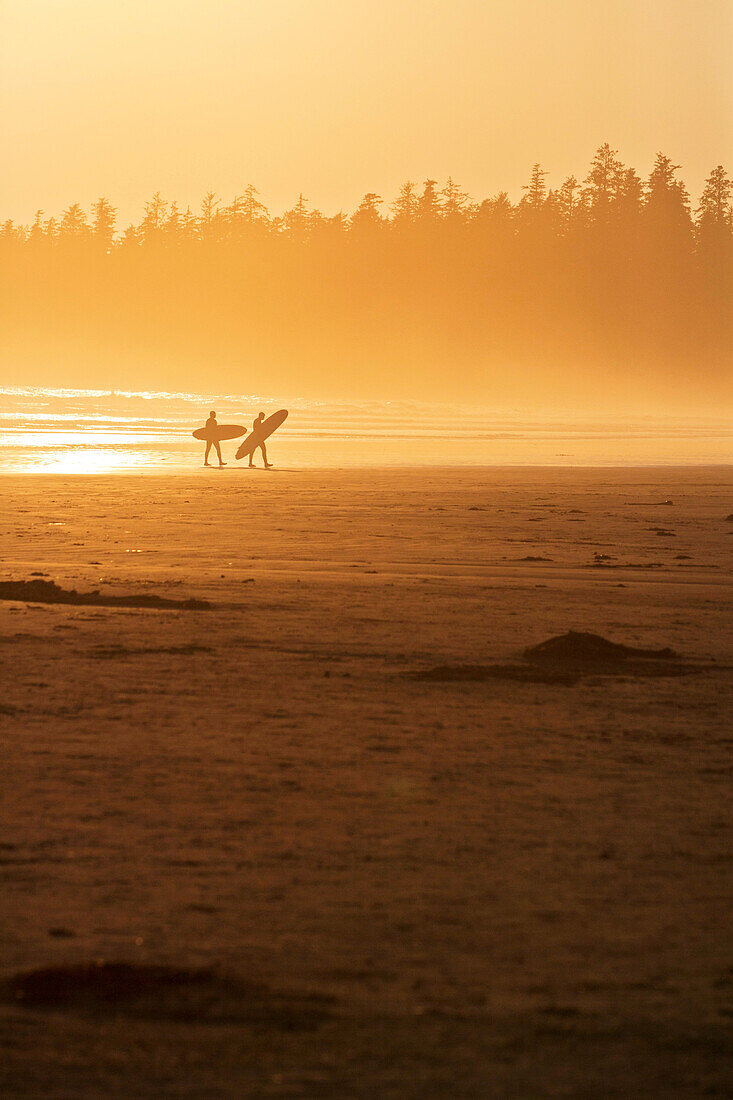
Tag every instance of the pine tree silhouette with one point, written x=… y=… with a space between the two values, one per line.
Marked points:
x=609 y=270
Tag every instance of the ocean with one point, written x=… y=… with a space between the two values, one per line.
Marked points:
x=70 y=431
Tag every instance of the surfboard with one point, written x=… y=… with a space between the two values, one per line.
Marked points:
x=266 y=428
x=222 y=431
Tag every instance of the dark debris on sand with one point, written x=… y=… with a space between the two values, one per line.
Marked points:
x=565 y=659
x=114 y=652
x=39 y=591
x=523 y=673
x=165 y=993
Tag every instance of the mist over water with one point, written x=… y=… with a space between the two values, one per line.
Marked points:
x=94 y=431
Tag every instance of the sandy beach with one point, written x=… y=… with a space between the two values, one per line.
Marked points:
x=415 y=887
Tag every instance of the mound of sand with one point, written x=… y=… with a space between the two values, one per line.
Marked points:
x=578 y=648
x=567 y=657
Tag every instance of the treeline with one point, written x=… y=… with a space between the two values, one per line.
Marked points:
x=431 y=294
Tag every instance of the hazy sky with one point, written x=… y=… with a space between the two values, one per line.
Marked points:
x=337 y=97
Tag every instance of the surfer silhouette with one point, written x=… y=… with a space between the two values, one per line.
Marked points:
x=256 y=425
x=211 y=429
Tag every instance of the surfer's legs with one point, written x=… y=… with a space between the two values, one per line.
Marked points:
x=218 y=451
x=254 y=452
x=206 y=455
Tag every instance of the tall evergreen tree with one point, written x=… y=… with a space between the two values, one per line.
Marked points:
x=173 y=225
x=714 y=213
x=151 y=227
x=536 y=188
x=74 y=225
x=244 y=212
x=367 y=215
x=630 y=195
x=209 y=219
x=254 y=210
x=104 y=217
x=37 y=234
x=533 y=211
x=189 y=225
x=667 y=200
x=406 y=206
x=296 y=221
x=429 y=204
x=454 y=201
x=569 y=204
x=714 y=235
x=8 y=232
x=603 y=182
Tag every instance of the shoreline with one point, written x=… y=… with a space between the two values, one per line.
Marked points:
x=457 y=468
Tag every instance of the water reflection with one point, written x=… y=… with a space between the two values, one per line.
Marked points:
x=93 y=432
x=295 y=451
x=68 y=438
x=65 y=451
x=78 y=460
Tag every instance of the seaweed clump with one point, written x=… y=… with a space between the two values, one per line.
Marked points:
x=40 y=591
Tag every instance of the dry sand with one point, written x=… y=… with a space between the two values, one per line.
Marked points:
x=424 y=889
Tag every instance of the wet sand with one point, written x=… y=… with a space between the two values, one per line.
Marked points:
x=460 y=888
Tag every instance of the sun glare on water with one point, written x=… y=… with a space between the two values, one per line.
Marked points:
x=74 y=452
x=83 y=460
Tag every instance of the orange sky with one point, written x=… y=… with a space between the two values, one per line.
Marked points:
x=337 y=97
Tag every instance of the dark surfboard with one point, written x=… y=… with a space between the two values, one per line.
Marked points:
x=222 y=431
x=266 y=428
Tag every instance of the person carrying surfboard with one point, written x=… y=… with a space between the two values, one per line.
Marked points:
x=256 y=426
x=262 y=429
x=211 y=428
